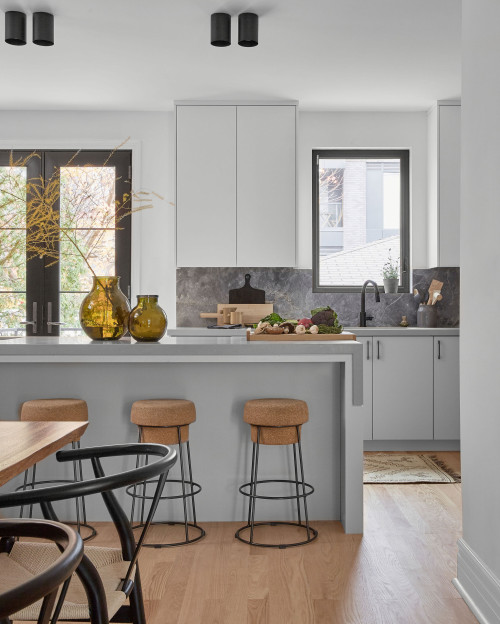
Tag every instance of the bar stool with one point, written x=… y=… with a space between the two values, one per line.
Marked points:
x=276 y=422
x=71 y=410
x=166 y=421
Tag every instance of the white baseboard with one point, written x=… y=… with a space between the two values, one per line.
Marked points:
x=477 y=585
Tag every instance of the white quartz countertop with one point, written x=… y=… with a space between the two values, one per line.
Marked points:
x=359 y=331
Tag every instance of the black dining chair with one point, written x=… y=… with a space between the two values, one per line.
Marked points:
x=106 y=577
x=26 y=586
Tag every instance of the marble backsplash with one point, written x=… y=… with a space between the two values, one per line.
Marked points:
x=200 y=289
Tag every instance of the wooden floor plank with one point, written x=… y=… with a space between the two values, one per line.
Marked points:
x=398 y=572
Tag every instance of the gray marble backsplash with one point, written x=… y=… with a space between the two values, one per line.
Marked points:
x=200 y=289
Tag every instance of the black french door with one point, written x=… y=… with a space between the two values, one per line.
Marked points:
x=46 y=264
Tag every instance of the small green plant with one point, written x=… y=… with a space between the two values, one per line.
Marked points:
x=390 y=270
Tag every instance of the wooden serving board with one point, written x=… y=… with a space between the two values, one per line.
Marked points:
x=252 y=312
x=299 y=337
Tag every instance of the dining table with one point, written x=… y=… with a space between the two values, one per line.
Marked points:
x=25 y=443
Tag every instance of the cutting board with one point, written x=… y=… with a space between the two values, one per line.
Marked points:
x=299 y=337
x=252 y=312
x=247 y=293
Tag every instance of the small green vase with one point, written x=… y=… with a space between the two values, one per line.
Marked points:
x=147 y=321
x=104 y=311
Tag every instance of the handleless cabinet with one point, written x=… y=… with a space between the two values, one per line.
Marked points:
x=403 y=388
x=235 y=185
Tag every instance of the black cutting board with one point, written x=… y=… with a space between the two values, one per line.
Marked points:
x=247 y=293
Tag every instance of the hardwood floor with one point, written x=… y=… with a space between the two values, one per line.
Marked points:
x=399 y=572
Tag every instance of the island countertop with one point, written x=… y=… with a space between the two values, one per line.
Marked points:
x=184 y=350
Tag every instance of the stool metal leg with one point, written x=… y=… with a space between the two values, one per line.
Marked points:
x=25 y=485
x=183 y=483
x=296 y=482
x=135 y=485
x=250 y=500
x=303 y=485
x=77 y=501
x=191 y=481
x=254 y=493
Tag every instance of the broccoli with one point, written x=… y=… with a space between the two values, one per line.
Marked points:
x=272 y=318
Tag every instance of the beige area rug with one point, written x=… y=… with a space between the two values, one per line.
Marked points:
x=401 y=468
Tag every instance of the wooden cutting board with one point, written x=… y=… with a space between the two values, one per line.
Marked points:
x=247 y=293
x=299 y=337
x=252 y=312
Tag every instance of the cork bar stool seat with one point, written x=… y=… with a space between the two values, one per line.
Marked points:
x=58 y=410
x=277 y=422
x=166 y=421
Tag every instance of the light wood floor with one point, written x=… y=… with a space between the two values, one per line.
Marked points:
x=399 y=572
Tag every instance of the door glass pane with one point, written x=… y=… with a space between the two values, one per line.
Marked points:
x=12 y=250
x=87 y=211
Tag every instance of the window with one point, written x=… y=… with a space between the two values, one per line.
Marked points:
x=90 y=192
x=360 y=217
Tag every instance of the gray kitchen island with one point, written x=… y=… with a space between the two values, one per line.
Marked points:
x=218 y=374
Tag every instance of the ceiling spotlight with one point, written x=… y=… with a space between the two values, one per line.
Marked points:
x=220 y=30
x=43 y=29
x=248 y=30
x=15 y=28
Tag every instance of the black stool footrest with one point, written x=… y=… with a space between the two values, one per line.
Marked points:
x=166 y=522
x=188 y=484
x=313 y=534
x=307 y=486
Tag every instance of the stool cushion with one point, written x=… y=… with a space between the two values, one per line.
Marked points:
x=275 y=436
x=276 y=412
x=163 y=412
x=73 y=410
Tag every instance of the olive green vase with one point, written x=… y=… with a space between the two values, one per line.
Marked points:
x=105 y=310
x=147 y=321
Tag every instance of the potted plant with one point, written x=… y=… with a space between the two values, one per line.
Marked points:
x=390 y=272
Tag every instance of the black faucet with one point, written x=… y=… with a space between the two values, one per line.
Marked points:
x=362 y=316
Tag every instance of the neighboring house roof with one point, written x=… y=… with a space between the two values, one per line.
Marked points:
x=354 y=266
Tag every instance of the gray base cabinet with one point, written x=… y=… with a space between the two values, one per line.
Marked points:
x=411 y=388
x=402 y=388
x=446 y=388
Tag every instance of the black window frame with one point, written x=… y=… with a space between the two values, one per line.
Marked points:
x=42 y=280
x=404 y=156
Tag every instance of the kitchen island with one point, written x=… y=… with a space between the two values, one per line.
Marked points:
x=219 y=374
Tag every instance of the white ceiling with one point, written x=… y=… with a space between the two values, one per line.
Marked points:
x=328 y=54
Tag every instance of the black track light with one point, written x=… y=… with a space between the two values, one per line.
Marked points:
x=15 y=28
x=220 y=30
x=248 y=30
x=43 y=29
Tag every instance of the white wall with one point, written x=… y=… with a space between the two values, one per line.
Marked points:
x=480 y=262
x=152 y=141
x=358 y=130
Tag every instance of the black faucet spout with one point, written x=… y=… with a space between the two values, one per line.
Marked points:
x=362 y=315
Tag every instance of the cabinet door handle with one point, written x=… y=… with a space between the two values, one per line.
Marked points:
x=378 y=349
x=368 y=350
x=439 y=349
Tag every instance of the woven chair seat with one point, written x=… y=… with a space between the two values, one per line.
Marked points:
x=27 y=559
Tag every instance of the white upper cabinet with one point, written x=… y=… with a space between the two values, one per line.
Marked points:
x=206 y=186
x=444 y=184
x=235 y=172
x=266 y=186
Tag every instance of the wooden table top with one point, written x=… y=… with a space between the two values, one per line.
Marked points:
x=23 y=444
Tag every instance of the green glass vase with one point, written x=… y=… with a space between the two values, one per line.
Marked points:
x=147 y=321
x=105 y=310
